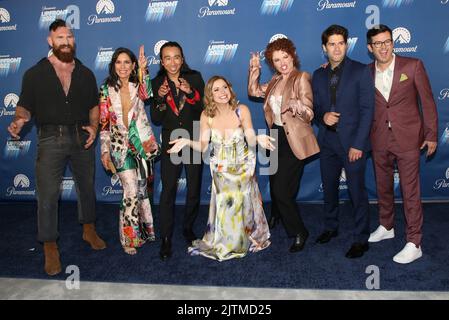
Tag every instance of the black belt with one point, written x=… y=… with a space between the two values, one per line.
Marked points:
x=47 y=130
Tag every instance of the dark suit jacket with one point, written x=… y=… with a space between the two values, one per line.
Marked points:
x=162 y=114
x=409 y=126
x=355 y=103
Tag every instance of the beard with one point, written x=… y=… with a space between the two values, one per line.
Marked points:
x=63 y=55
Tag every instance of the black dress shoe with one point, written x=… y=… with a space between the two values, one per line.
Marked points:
x=189 y=235
x=357 y=250
x=326 y=236
x=299 y=242
x=165 y=251
x=272 y=222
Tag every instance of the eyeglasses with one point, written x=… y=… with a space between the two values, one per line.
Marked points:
x=379 y=44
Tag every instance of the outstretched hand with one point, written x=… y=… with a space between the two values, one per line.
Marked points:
x=15 y=126
x=254 y=62
x=178 y=145
x=184 y=86
x=142 y=59
x=92 y=134
x=266 y=142
x=431 y=147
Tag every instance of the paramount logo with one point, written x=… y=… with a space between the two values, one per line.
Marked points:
x=444 y=94
x=110 y=190
x=207 y=11
x=402 y=36
x=442 y=183
x=342 y=186
x=21 y=182
x=104 y=7
x=154 y=60
x=277 y=36
x=327 y=4
x=6 y=18
x=10 y=103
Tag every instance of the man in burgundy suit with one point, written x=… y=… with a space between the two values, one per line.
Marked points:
x=399 y=131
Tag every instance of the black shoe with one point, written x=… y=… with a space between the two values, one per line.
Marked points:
x=299 y=242
x=326 y=236
x=189 y=235
x=272 y=222
x=357 y=250
x=165 y=251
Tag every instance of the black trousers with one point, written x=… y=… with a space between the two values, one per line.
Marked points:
x=57 y=147
x=333 y=158
x=170 y=174
x=284 y=186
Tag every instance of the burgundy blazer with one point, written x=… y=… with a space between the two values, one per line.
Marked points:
x=410 y=126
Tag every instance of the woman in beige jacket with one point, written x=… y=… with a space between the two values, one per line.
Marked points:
x=288 y=109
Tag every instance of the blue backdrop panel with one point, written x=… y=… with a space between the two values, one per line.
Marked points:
x=218 y=37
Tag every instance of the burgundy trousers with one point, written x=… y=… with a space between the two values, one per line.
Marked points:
x=408 y=168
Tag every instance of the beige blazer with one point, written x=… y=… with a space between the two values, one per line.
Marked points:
x=297 y=126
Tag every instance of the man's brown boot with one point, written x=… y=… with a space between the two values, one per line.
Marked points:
x=52 y=263
x=91 y=236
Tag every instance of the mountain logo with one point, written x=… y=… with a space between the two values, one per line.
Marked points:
x=401 y=35
x=4 y=16
x=21 y=181
x=105 y=7
x=11 y=100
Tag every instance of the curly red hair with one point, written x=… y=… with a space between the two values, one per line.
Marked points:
x=282 y=44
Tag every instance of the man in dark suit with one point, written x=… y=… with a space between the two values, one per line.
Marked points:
x=399 y=131
x=176 y=105
x=343 y=95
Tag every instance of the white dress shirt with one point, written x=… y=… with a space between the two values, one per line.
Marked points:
x=384 y=79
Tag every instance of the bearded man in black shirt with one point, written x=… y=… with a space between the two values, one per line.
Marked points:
x=62 y=95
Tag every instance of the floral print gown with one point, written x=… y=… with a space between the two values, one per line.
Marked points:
x=130 y=148
x=236 y=222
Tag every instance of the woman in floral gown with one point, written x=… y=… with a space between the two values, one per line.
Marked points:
x=127 y=143
x=237 y=222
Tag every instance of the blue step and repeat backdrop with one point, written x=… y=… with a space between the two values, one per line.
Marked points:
x=218 y=37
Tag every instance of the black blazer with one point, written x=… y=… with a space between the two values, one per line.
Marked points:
x=162 y=114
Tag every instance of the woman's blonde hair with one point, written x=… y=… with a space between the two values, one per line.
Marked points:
x=209 y=103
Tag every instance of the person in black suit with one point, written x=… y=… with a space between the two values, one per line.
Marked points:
x=343 y=97
x=176 y=105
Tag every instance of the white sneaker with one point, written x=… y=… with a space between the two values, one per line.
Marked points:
x=381 y=234
x=409 y=254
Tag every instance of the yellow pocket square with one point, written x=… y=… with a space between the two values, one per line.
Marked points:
x=403 y=77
